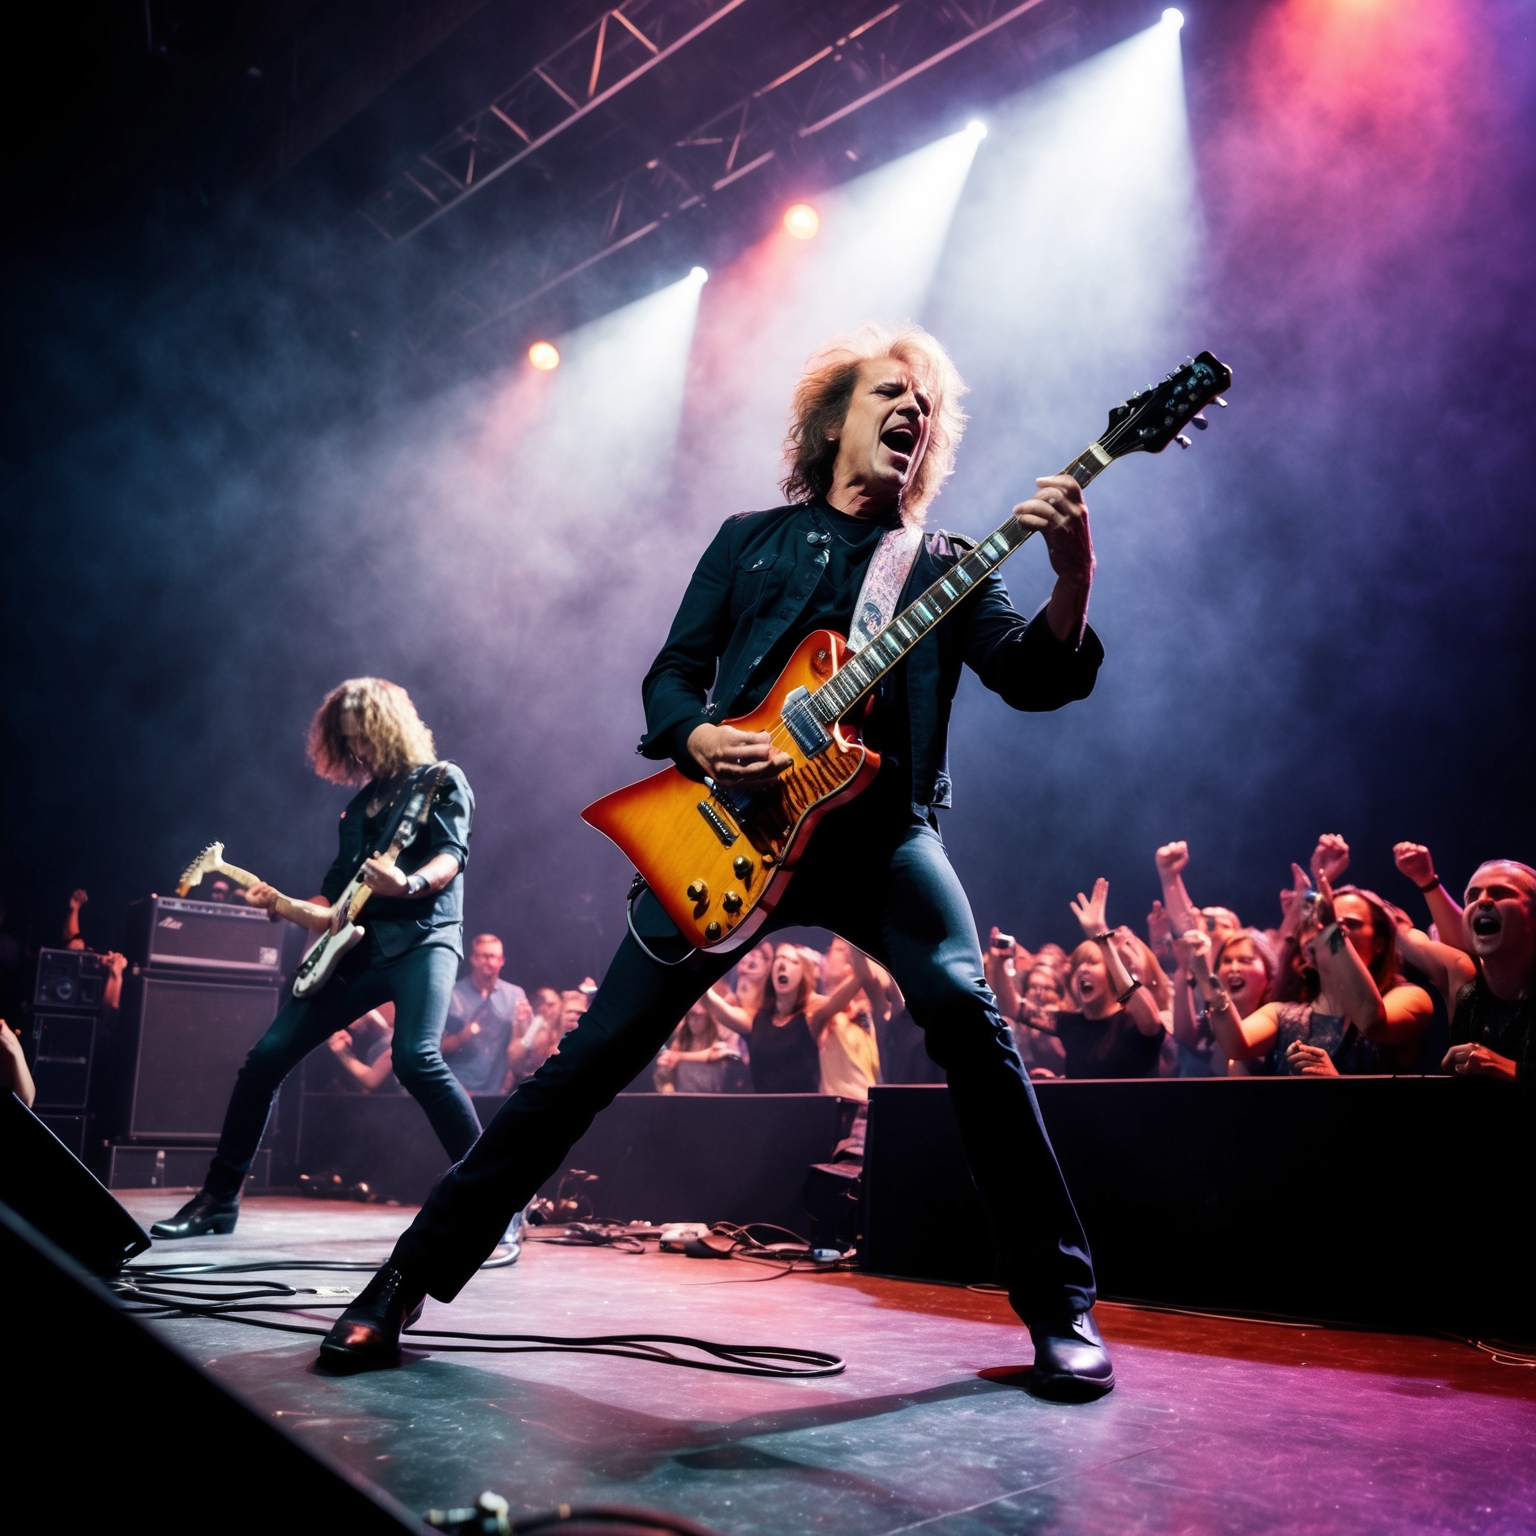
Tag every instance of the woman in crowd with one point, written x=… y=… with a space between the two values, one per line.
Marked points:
x=1118 y=1027
x=785 y=1032
x=1242 y=964
x=850 y=1050
x=1354 y=1014
x=1029 y=995
x=699 y=1059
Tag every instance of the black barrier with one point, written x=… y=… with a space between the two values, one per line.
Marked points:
x=658 y=1156
x=1389 y=1202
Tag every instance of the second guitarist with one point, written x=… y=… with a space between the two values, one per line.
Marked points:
x=367 y=733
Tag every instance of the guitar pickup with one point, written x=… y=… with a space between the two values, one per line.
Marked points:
x=717 y=823
x=809 y=733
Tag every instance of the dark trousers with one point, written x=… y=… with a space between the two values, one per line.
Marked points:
x=883 y=881
x=419 y=983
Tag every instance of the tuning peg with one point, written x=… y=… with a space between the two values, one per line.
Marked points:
x=1222 y=403
x=1181 y=440
x=1197 y=420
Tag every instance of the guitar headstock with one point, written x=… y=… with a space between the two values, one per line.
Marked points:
x=1158 y=414
x=204 y=864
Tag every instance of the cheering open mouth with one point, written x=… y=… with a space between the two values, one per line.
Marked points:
x=1486 y=922
x=901 y=439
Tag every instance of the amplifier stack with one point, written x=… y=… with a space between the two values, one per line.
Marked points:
x=204 y=982
x=66 y=1015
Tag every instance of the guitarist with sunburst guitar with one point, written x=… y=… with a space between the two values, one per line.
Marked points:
x=803 y=696
x=404 y=843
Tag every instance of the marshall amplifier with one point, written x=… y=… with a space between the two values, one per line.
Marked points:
x=69 y=978
x=167 y=932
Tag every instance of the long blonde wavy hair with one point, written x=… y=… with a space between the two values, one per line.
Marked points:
x=386 y=720
x=821 y=406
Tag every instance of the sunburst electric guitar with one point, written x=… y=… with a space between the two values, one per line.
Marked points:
x=325 y=954
x=719 y=859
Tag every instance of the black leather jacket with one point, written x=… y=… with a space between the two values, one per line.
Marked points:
x=750 y=589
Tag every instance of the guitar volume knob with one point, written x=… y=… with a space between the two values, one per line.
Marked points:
x=743 y=867
x=698 y=890
x=731 y=901
x=712 y=931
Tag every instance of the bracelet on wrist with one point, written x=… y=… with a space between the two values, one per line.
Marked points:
x=1126 y=996
x=1102 y=938
x=1434 y=885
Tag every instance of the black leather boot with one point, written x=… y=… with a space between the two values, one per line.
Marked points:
x=1071 y=1362
x=202 y=1214
x=366 y=1337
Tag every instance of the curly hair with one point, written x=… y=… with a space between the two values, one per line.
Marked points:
x=821 y=406
x=386 y=720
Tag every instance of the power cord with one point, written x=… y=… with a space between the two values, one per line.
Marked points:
x=180 y=1290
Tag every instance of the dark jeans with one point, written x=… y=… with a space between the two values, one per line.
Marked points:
x=419 y=983
x=882 y=881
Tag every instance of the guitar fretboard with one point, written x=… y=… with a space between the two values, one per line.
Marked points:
x=840 y=693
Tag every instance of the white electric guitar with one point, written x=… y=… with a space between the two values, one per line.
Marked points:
x=326 y=953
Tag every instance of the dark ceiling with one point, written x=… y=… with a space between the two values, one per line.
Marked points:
x=156 y=121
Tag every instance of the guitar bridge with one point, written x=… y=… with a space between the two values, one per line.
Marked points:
x=717 y=823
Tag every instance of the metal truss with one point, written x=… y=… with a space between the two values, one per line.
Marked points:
x=895 y=43
x=619 y=48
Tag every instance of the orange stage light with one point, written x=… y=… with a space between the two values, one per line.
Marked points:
x=544 y=355
x=802 y=221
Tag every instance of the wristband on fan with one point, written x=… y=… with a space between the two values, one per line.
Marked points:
x=1434 y=885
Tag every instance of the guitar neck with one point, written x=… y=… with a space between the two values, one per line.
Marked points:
x=840 y=693
x=242 y=877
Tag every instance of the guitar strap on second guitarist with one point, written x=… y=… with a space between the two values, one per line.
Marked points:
x=403 y=801
x=406 y=793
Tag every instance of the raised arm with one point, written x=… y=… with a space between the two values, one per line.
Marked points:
x=823 y=1008
x=728 y=1015
x=1128 y=991
x=1172 y=860
x=1399 y=1018
x=1240 y=1038
x=994 y=965
x=1414 y=861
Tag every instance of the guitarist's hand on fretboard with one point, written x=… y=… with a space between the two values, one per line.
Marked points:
x=1059 y=514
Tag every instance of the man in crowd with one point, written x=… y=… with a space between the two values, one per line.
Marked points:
x=482 y=1014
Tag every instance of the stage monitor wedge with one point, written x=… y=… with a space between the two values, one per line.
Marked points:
x=119 y=1431
x=51 y=1189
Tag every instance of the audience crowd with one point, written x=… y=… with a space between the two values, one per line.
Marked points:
x=1344 y=982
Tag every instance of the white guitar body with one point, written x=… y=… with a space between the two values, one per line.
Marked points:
x=324 y=955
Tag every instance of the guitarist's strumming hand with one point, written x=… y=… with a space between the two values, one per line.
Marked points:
x=733 y=757
x=1059 y=513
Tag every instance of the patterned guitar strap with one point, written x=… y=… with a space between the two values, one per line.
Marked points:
x=889 y=567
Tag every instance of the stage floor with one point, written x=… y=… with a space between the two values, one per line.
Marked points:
x=1216 y=1425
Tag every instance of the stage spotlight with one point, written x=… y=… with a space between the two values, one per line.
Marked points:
x=802 y=221
x=976 y=129
x=699 y=275
x=544 y=355
x=1173 y=18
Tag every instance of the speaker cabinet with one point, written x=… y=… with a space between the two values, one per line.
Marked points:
x=69 y=978
x=186 y=1040
x=62 y=1047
